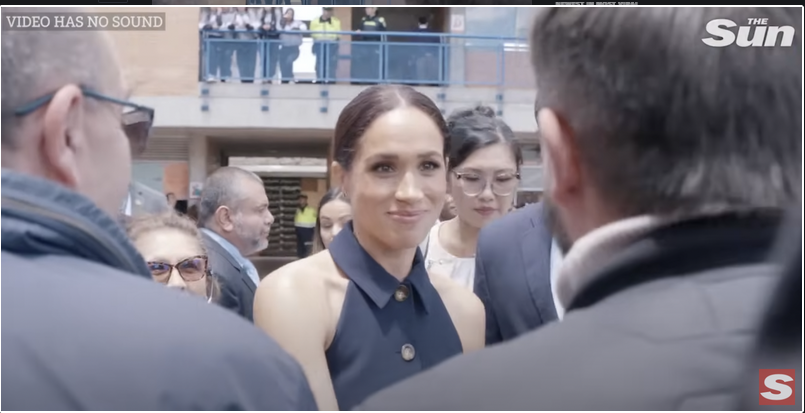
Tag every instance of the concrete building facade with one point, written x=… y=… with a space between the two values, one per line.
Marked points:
x=199 y=126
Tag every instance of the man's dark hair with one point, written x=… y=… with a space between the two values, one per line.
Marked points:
x=665 y=124
x=302 y=196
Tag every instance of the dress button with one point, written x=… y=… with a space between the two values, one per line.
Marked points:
x=402 y=293
x=408 y=352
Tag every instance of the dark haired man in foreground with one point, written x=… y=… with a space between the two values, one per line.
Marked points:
x=669 y=164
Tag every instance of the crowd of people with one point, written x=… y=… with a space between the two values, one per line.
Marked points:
x=273 y=36
x=638 y=283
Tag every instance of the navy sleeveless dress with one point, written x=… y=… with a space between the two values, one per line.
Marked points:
x=387 y=330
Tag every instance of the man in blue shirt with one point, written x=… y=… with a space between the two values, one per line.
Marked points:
x=235 y=220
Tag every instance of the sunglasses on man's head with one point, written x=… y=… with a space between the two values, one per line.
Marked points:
x=190 y=269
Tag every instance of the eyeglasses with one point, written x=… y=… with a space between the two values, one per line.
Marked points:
x=474 y=183
x=136 y=122
x=190 y=269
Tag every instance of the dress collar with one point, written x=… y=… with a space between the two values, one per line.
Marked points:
x=371 y=278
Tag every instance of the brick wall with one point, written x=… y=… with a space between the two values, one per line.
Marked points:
x=166 y=63
x=483 y=67
x=162 y=63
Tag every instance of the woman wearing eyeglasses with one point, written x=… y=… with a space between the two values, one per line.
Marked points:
x=173 y=249
x=484 y=173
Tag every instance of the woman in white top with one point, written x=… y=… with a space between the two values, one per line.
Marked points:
x=484 y=173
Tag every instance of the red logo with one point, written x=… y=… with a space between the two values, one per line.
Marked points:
x=777 y=387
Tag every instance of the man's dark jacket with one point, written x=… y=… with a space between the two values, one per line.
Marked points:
x=513 y=274
x=667 y=326
x=85 y=328
x=237 y=289
x=779 y=338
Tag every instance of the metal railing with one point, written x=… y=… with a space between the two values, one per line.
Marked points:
x=437 y=59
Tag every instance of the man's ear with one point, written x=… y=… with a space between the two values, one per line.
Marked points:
x=224 y=218
x=560 y=158
x=63 y=135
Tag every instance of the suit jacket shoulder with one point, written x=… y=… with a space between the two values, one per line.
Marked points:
x=509 y=226
x=222 y=263
x=683 y=355
x=237 y=291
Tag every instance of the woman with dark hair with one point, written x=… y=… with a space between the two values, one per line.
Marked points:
x=333 y=215
x=365 y=313
x=484 y=173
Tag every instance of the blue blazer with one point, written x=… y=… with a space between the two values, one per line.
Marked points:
x=513 y=273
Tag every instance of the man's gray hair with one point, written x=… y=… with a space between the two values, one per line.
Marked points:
x=665 y=124
x=223 y=188
x=35 y=63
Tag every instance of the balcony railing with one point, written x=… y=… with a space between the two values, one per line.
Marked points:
x=434 y=59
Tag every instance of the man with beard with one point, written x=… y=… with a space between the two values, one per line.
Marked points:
x=669 y=167
x=235 y=220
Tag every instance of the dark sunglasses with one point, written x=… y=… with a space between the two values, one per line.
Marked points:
x=190 y=269
x=136 y=122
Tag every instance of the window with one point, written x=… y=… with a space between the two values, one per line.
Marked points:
x=487 y=21
x=524 y=19
x=307 y=13
x=501 y=22
x=531 y=178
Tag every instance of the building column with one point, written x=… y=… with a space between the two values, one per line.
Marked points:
x=197 y=161
x=455 y=50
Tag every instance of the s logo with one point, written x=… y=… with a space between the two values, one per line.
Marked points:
x=777 y=387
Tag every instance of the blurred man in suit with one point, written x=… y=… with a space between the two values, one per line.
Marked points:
x=669 y=166
x=143 y=200
x=515 y=273
x=235 y=220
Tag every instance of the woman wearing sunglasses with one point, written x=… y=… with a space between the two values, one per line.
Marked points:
x=172 y=247
x=484 y=174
